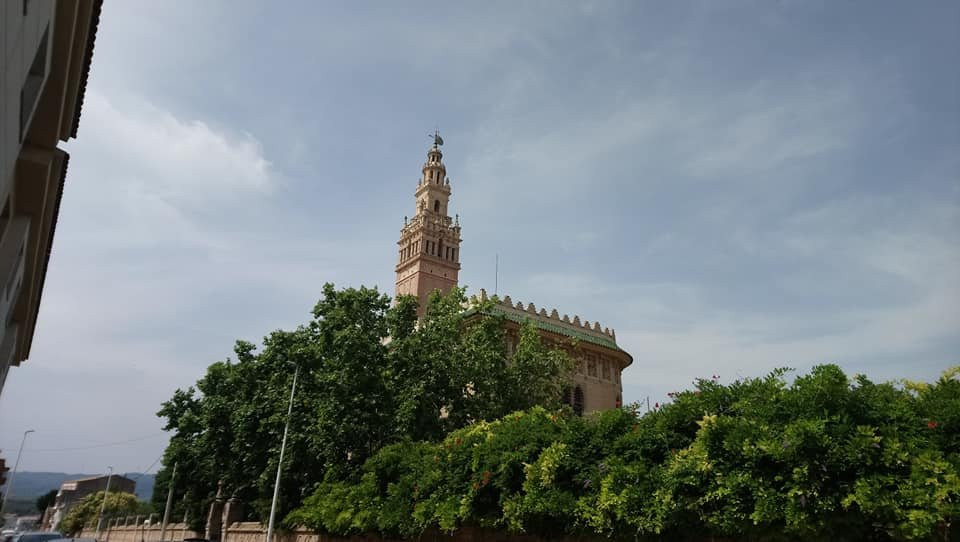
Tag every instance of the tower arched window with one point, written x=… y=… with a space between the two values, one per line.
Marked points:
x=436 y=206
x=578 y=401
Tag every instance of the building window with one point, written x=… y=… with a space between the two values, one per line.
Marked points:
x=606 y=370
x=592 y=367
x=31 y=87
x=436 y=206
x=578 y=401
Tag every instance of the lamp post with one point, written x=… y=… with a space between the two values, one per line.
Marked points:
x=13 y=474
x=103 y=505
x=166 y=510
x=283 y=445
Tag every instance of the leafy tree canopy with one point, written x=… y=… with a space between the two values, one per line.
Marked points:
x=369 y=375
x=822 y=458
x=87 y=512
x=46 y=500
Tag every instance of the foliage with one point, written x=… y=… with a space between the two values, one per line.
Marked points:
x=46 y=500
x=86 y=512
x=369 y=376
x=821 y=457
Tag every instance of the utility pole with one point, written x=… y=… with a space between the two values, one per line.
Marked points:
x=283 y=445
x=103 y=505
x=166 y=510
x=13 y=474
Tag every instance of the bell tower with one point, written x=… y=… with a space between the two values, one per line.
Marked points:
x=429 y=243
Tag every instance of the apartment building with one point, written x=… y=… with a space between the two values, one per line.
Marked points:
x=45 y=51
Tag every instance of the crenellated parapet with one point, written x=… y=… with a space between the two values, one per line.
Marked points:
x=553 y=316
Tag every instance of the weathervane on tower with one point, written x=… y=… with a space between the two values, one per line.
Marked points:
x=437 y=140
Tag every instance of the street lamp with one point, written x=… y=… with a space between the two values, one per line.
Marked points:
x=16 y=464
x=103 y=505
x=283 y=445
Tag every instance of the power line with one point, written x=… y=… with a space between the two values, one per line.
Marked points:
x=145 y=471
x=91 y=447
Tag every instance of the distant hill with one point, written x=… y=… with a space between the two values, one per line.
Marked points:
x=30 y=485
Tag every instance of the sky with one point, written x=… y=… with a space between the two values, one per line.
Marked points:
x=732 y=186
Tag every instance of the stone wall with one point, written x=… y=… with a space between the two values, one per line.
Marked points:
x=134 y=533
x=254 y=532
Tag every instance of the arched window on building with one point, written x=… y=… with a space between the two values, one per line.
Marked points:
x=436 y=206
x=578 y=401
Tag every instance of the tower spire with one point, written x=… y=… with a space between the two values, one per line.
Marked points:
x=429 y=255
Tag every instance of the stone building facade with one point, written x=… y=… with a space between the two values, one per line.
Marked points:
x=429 y=259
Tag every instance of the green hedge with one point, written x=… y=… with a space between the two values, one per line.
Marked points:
x=821 y=457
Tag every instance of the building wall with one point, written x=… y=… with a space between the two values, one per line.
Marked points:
x=21 y=35
x=422 y=277
x=45 y=48
x=602 y=390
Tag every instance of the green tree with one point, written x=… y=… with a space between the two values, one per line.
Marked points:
x=46 y=500
x=369 y=375
x=87 y=511
x=823 y=457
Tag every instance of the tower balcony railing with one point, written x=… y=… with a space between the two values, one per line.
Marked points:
x=431 y=221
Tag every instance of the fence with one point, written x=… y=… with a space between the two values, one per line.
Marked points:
x=255 y=532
